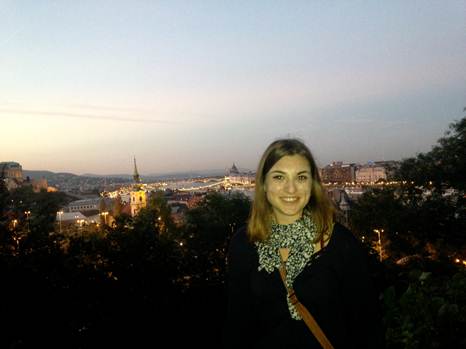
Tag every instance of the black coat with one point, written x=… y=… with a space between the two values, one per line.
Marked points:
x=335 y=287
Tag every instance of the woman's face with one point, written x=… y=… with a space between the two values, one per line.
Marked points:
x=288 y=188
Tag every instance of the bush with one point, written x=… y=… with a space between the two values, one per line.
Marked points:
x=429 y=313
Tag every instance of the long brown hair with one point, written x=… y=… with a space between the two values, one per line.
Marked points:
x=319 y=207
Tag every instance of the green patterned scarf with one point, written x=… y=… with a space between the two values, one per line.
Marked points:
x=298 y=238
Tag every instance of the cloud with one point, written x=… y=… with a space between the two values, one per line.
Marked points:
x=82 y=116
x=109 y=108
x=139 y=111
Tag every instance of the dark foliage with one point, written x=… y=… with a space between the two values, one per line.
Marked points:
x=421 y=224
x=444 y=165
x=127 y=285
x=207 y=233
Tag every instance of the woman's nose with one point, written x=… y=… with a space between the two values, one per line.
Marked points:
x=290 y=187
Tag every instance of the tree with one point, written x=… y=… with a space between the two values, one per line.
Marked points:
x=444 y=166
x=4 y=221
x=3 y=198
x=207 y=233
x=429 y=313
x=419 y=217
x=159 y=205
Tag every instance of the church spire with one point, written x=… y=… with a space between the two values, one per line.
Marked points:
x=136 y=177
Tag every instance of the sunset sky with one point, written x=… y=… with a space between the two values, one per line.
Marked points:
x=196 y=85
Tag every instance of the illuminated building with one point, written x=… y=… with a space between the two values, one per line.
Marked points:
x=370 y=173
x=236 y=177
x=12 y=174
x=138 y=197
x=138 y=200
x=338 y=172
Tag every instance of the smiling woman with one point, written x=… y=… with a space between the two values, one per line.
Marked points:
x=288 y=178
x=288 y=188
x=292 y=260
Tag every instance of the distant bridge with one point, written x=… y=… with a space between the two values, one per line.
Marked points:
x=224 y=182
x=207 y=186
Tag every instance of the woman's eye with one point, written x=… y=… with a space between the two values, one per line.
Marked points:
x=302 y=178
x=278 y=177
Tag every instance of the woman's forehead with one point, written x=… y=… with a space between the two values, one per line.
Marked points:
x=291 y=163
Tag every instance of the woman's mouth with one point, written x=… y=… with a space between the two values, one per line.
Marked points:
x=290 y=199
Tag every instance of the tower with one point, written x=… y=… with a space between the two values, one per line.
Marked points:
x=138 y=195
x=136 y=177
x=138 y=201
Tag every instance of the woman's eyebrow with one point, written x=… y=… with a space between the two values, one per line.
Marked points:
x=283 y=172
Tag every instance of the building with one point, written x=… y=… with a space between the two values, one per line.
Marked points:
x=138 y=200
x=138 y=196
x=337 y=172
x=11 y=170
x=342 y=202
x=37 y=185
x=84 y=205
x=136 y=177
x=235 y=177
x=370 y=173
x=375 y=171
x=12 y=174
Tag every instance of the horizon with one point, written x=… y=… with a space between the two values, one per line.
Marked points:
x=188 y=86
x=128 y=174
x=187 y=171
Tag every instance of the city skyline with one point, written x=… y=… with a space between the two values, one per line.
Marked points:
x=194 y=86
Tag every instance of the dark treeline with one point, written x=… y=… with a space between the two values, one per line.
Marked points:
x=418 y=229
x=146 y=280
x=136 y=282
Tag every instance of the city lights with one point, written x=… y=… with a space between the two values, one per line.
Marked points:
x=379 y=233
x=28 y=214
x=104 y=214
x=60 y=214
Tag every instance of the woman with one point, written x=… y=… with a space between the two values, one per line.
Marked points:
x=292 y=220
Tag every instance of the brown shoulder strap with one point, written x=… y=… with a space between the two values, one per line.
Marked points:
x=303 y=312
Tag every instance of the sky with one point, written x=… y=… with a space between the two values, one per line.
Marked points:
x=199 y=85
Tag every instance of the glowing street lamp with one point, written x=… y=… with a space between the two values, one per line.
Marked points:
x=80 y=223
x=17 y=240
x=28 y=214
x=60 y=214
x=105 y=214
x=379 y=233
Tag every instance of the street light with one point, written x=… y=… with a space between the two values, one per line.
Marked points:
x=60 y=214
x=27 y=213
x=80 y=223
x=104 y=214
x=379 y=233
x=17 y=239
